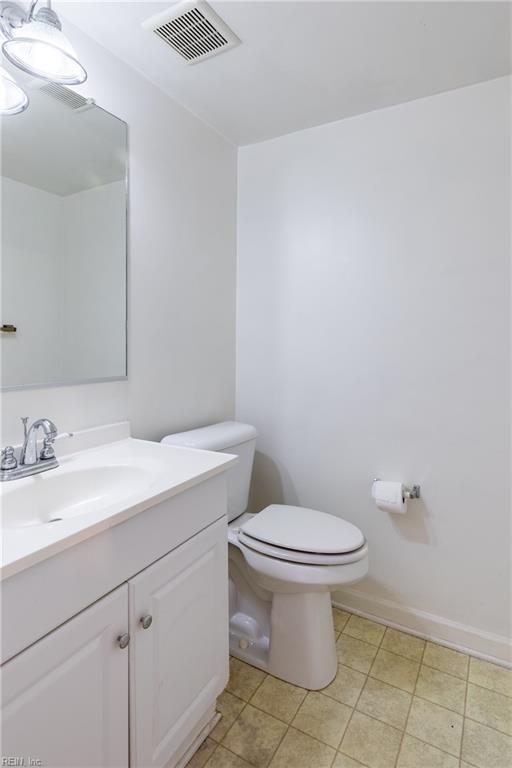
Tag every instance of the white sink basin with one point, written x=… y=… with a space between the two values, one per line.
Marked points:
x=93 y=490
x=55 y=496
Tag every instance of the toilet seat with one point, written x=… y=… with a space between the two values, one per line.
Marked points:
x=305 y=558
x=302 y=535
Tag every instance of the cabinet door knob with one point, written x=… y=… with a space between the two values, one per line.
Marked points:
x=123 y=640
x=146 y=621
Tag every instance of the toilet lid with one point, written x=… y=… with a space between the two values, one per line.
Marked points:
x=301 y=558
x=303 y=530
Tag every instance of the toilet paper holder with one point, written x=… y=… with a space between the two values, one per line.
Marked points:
x=409 y=493
x=413 y=492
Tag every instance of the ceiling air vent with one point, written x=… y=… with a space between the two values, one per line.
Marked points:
x=193 y=30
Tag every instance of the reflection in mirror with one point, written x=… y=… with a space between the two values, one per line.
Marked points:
x=64 y=168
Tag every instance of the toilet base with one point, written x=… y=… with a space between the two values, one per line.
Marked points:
x=300 y=647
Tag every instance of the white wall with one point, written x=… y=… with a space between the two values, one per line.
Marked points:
x=182 y=225
x=373 y=310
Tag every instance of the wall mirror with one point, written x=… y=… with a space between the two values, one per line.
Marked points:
x=64 y=220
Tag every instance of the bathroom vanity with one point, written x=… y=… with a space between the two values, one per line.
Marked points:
x=114 y=605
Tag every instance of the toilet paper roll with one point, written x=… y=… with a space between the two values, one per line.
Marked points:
x=389 y=496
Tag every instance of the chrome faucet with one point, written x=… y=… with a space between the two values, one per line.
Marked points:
x=28 y=455
x=29 y=463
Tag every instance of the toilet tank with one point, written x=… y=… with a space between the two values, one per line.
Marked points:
x=226 y=437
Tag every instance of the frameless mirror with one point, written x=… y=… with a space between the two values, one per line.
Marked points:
x=64 y=201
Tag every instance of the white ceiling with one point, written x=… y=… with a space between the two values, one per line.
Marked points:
x=302 y=64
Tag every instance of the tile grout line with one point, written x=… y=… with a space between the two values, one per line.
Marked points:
x=441 y=706
x=360 y=692
x=464 y=715
x=267 y=675
x=403 y=656
x=231 y=753
x=432 y=746
x=246 y=704
x=310 y=736
x=490 y=727
x=342 y=632
x=410 y=704
x=280 y=719
x=445 y=672
x=401 y=730
x=220 y=743
x=279 y=744
x=485 y=688
x=403 y=690
x=358 y=697
x=277 y=718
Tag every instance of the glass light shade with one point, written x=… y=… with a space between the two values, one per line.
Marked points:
x=44 y=51
x=13 y=99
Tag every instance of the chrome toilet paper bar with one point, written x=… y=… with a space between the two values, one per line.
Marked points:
x=412 y=493
x=409 y=493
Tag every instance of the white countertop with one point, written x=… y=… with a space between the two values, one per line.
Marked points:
x=118 y=480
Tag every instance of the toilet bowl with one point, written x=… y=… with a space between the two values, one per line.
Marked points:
x=284 y=563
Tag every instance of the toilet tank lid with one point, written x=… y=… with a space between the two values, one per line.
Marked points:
x=215 y=437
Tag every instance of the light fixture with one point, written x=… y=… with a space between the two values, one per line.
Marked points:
x=35 y=43
x=13 y=98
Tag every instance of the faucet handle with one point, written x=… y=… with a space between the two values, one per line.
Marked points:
x=47 y=451
x=8 y=459
x=24 y=419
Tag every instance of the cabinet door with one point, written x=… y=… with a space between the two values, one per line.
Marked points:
x=180 y=662
x=65 y=699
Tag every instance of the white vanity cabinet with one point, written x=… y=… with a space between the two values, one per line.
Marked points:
x=65 y=699
x=179 y=662
x=81 y=695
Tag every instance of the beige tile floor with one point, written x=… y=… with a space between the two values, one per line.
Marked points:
x=396 y=701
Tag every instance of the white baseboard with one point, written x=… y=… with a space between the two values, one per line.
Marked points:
x=204 y=732
x=461 y=637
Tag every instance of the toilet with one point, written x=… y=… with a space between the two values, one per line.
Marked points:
x=284 y=562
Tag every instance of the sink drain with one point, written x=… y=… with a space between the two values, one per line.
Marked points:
x=55 y=520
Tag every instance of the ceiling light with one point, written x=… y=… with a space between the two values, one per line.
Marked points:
x=13 y=99
x=36 y=44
